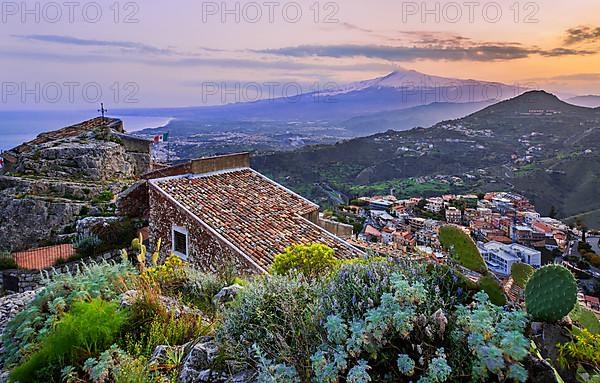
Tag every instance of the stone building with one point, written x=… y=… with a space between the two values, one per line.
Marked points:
x=219 y=212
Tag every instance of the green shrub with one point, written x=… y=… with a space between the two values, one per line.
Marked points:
x=277 y=314
x=116 y=235
x=83 y=332
x=200 y=288
x=172 y=330
x=358 y=286
x=135 y=370
x=311 y=260
x=521 y=272
x=462 y=248
x=86 y=246
x=374 y=312
x=373 y=320
x=105 y=196
x=493 y=290
x=583 y=350
x=7 y=261
x=378 y=345
x=496 y=342
x=113 y=365
x=24 y=333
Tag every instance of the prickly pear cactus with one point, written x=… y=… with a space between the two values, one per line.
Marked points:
x=551 y=293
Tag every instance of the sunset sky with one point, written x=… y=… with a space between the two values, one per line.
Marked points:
x=170 y=49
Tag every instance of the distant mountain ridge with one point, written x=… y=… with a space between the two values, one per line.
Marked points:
x=590 y=101
x=395 y=91
x=417 y=116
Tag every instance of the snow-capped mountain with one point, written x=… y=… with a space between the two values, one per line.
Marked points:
x=448 y=89
x=398 y=90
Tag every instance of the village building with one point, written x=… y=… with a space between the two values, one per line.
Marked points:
x=387 y=235
x=453 y=215
x=435 y=204
x=500 y=257
x=218 y=212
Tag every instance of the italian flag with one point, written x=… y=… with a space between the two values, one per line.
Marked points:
x=162 y=138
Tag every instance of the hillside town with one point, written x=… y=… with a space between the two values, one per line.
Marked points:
x=506 y=228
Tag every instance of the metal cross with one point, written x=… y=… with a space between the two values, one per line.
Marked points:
x=102 y=110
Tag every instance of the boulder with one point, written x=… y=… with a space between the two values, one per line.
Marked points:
x=539 y=370
x=89 y=225
x=159 y=355
x=227 y=294
x=198 y=363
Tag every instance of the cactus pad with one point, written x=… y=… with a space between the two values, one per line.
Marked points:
x=551 y=293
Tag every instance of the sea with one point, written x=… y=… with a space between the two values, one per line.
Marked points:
x=22 y=126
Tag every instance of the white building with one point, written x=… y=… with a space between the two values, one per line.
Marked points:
x=500 y=257
x=435 y=204
x=387 y=235
x=453 y=215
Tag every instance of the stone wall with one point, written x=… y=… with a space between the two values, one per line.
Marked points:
x=29 y=280
x=213 y=164
x=169 y=171
x=206 y=251
x=339 y=229
x=134 y=144
x=133 y=202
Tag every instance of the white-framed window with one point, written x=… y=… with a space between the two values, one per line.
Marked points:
x=180 y=241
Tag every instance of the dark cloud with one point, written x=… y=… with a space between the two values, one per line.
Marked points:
x=582 y=34
x=353 y=27
x=190 y=62
x=565 y=52
x=68 y=40
x=583 y=77
x=430 y=38
x=472 y=52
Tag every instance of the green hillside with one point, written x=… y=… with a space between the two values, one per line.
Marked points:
x=534 y=143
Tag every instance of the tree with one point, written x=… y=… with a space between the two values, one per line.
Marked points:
x=553 y=213
x=583 y=228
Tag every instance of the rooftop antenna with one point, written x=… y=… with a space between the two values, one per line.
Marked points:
x=102 y=111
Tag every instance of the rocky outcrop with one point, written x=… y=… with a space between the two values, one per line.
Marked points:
x=81 y=157
x=29 y=222
x=54 y=180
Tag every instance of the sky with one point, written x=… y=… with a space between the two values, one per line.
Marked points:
x=74 y=55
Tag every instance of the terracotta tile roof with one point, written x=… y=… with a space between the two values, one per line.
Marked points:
x=512 y=291
x=43 y=257
x=370 y=230
x=257 y=216
x=499 y=238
